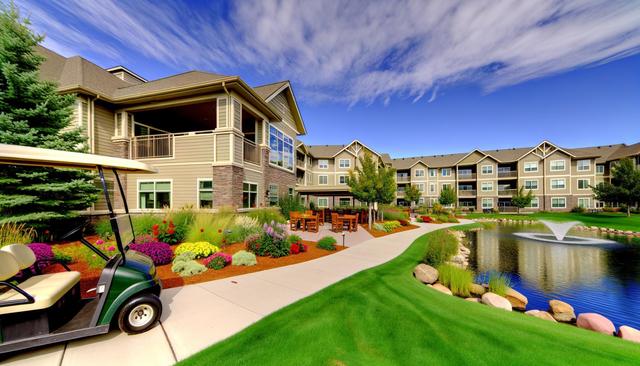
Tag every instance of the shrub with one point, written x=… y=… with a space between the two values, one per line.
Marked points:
x=217 y=260
x=267 y=215
x=437 y=207
x=243 y=227
x=327 y=243
x=143 y=224
x=209 y=227
x=272 y=242
x=578 y=209
x=499 y=283
x=62 y=256
x=185 y=265
x=378 y=227
x=12 y=233
x=159 y=252
x=200 y=249
x=426 y=219
x=296 y=245
x=103 y=229
x=244 y=258
x=442 y=247
x=396 y=215
x=389 y=226
x=290 y=204
x=404 y=222
x=43 y=252
x=458 y=280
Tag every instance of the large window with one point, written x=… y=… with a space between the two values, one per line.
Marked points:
x=487 y=169
x=446 y=172
x=154 y=194
x=420 y=187
x=584 y=202
x=433 y=172
x=531 y=166
x=558 y=184
x=323 y=202
x=600 y=169
x=205 y=193
x=419 y=172
x=531 y=184
x=584 y=165
x=273 y=195
x=487 y=203
x=323 y=179
x=432 y=187
x=281 y=149
x=342 y=179
x=583 y=183
x=344 y=201
x=487 y=186
x=535 y=203
x=249 y=195
x=323 y=164
x=558 y=202
x=344 y=163
x=557 y=165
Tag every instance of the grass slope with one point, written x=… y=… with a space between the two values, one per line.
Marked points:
x=612 y=220
x=383 y=316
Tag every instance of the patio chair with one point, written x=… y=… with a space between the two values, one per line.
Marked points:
x=312 y=225
x=355 y=227
x=294 y=218
x=320 y=218
x=308 y=212
x=336 y=223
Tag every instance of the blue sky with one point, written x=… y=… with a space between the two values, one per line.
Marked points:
x=408 y=78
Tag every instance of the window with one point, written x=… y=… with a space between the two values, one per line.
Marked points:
x=281 y=149
x=584 y=165
x=446 y=172
x=600 y=169
x=531 y=184
x=154 y=194
x=487 y=203
x=249 y=195
x=558 y=202
x=421 y=201
x=446 y=185
x=558 y=184
x=433 y=172
x=531 y=166
x=584 y=202
x=432 y=187
x=323 y=202
x=273 y=194
x=487 y=186
x=487 y=169
x=535 y=203
x=323 y=179
x=557 y=165
x=205 y=193
x=323 y=164
x=291 y=192
x=345 y=163
x=419 y=172
x=583 y=183
x=344 y=201
x=420 y=187
x=342 y=179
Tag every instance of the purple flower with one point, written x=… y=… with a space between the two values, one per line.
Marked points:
x=43 y=252
x=160 y=253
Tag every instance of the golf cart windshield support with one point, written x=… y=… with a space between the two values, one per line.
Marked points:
x=122 y=226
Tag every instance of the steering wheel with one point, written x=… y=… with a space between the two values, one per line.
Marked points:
x=78 y=229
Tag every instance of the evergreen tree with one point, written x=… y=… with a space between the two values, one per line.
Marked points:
x=32 y=113
x=521 y=199
x=624 y=186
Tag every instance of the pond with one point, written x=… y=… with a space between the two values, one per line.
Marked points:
x=602 y=279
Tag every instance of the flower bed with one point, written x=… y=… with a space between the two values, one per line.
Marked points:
x=393 y=228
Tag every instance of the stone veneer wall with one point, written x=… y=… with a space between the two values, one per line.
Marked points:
x=282 y=178
x=227 y=185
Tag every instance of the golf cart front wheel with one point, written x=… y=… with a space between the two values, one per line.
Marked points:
x=140 y=314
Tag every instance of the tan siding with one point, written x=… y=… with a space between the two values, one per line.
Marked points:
x=237 y=114
x=237 y=148
x=471 y=159
x=281 y=104
x=189 y=149
x=104 y=126
x=222 y=147
x=222 y=112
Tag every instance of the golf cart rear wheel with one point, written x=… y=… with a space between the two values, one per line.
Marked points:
x=140 y=314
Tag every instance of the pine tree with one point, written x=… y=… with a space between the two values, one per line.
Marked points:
x=32 y=113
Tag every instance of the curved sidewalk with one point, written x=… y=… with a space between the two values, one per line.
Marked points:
x=199 y=315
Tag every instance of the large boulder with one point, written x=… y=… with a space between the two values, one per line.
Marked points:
x=425 y=273
x=540 y=314
x=628 y=333
x=496 y=301
x=518 y=301
x=595 y=322
x=477 y=290
x=473 y=299
x=442 y=288
x=561 y=311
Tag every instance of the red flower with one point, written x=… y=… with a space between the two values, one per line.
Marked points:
x=170 y=231
x=164 y=221
x=46 y=232
x=155 y=227
x=295 y=248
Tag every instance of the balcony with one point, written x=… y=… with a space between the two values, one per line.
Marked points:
x=402 y=179
x=507 y=191
x=466 y=192
x=251 y=152
x=507 y=174
x=152 y=146
x=465 y=175
x=300 y=163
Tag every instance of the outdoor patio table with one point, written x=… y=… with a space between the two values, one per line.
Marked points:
x=351 y=219
x=303 y=218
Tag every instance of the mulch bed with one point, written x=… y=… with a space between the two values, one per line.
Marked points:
x=169 y=279
x=378 y=233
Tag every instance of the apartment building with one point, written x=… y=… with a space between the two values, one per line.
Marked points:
x=217 y=141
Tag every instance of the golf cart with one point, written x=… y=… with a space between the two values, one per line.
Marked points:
x=41 y=309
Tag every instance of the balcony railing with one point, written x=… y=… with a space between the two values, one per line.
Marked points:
x=507 y=174
x=300 y=163
x=466 y=192
x=251 y=152
x=464 y=175
x=152 y=146
x=507 y=192
x=402 y=178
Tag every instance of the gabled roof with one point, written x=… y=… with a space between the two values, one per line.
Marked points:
x=354 y=142
x=324 y=151
x=270 y=91
x=185 y=79
x=625 y=151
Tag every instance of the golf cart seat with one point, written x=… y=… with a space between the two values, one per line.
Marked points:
x=46 y=290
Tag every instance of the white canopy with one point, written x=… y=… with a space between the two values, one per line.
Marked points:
x=25 y=155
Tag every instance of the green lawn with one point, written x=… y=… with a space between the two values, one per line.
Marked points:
x=604 y=219
x=383 y=316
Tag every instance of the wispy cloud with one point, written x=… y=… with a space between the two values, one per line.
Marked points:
x=358 y=51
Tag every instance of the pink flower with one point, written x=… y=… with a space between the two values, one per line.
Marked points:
x=111 y=248
x=99 y=242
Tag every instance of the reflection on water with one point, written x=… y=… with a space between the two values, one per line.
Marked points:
x=604 y=279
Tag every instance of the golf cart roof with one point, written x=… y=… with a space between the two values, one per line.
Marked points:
x=25 y=155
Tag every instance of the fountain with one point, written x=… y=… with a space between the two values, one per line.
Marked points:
x=560 y=230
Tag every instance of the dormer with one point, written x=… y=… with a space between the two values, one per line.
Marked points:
x=127 y=75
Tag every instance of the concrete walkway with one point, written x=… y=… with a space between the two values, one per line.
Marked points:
x=197 y=316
